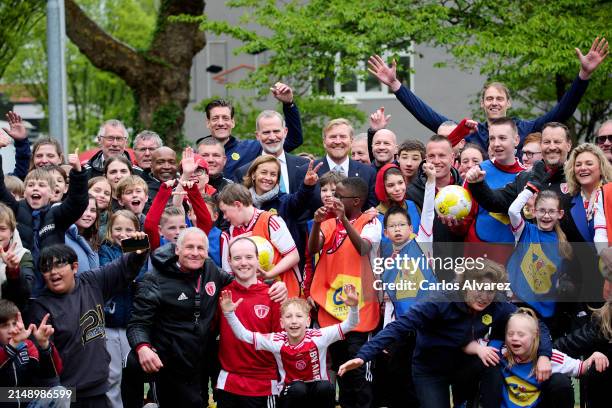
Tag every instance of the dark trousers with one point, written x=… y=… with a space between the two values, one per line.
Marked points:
x=392 y=382
x=433 y=388
x=97 y=401
x=229 y=400
x=171 y=389
x=557 y=392
x=356 y=385
x=298 y=394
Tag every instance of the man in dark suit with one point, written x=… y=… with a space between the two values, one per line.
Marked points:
x=337 y=139
x=271 y=133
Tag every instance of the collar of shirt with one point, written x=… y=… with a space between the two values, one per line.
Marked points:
x=332 y=164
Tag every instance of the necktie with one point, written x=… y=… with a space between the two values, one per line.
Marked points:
x=282 y=183
x=338 y=169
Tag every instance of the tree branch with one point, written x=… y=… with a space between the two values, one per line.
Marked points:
x=104 y=51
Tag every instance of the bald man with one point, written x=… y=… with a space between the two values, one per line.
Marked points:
x=384 y=148
x=163 y=168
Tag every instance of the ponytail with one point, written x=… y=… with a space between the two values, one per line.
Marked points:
x=565 y=249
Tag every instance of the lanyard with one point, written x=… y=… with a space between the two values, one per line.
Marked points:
x=196 y=303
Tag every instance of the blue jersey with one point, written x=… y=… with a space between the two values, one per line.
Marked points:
x=534 y=268
x=415 y=220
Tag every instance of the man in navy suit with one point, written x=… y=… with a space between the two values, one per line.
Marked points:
x=271 y=133
x=337 y=139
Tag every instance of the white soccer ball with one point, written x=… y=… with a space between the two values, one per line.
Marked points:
x=454 y=201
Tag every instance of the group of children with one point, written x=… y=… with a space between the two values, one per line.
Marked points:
x=337 y=300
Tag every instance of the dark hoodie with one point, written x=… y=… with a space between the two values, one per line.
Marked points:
x=164 y=314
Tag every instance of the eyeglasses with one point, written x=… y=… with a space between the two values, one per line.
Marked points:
x=530 y=155
x=396 y=226
x=54 y=266
x=116 y=139
x=199 y=172
x=542 y=212
x=145 y=149
x=602 y=139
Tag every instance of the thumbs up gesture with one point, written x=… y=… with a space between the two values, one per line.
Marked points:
x=73 y=160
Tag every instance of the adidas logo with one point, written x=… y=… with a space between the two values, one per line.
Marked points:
x=182 y=296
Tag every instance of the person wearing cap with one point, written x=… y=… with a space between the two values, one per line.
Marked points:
x=220 y=122
x=163 y=168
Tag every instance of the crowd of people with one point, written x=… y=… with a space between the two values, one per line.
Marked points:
x=267 y=278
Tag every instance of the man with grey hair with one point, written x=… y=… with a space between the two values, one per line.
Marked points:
x=270 y=131
x=112 y=139
x=603 y=137
x=145 y=143
x=172 y=319
x=359 y=149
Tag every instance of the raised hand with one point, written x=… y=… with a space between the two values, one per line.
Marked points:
x=43 y=332
x=188 y=163
x=320 y=215
x=149 y=360
x=225 y=301
x=430 y=171
x=20 y=332
x=350 y=365
x=170 y=183
x=475 y=175
x=351 y=297
x=472 y=124
x=595 y=56
x=9 y=257
x=378 y=120
x=385 y=74
x=282 y=92
x=312 y=177
x=73 y=160
x=17 y=129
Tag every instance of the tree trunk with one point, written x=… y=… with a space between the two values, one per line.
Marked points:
x=159 y=76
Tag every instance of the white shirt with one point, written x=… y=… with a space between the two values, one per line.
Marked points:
x=332 y=164
x=284 y=172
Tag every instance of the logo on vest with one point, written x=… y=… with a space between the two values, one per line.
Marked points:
x=487 y=319
x=210 y=288
x=235 y=156
x=47 y=228
x=300 y=365
x=261 y=311
x=564 y=188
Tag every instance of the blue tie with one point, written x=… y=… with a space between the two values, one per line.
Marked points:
x=282 y=184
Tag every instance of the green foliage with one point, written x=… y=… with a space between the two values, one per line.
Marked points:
x=94 y=95
x=315 y=112
x=17 y=18
x=527 y=45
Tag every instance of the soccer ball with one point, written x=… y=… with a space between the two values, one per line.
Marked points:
x=265 y=251
x=454 y=201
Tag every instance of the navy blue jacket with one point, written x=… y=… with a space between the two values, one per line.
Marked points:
x=22 y=158
x=356 y=169
x=293 y=169
x=118 y=309
x=241 y=152
x=444 y=325
x=431 y=119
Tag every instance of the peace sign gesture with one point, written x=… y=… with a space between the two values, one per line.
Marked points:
x=43 y=332
x=17 y=129
x=9 y=257
x=312 y=177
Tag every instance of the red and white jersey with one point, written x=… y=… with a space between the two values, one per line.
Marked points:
x=280 y=237
x=305 y=361
x=244 y=370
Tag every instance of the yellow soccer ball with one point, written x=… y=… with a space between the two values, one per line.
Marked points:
x=265 y=251
x=454 y=201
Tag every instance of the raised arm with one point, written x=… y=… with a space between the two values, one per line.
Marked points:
x=419 y=109
x=566 y=107
x=19 y=133
x=77 y=199
x=154 y=215
x=425 y=233
x=295 y=137
x=517 y=224
x=491 y=200
x=5 y=196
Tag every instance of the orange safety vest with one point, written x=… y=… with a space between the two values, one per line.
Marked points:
x=290 y=277
x=339 y=264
